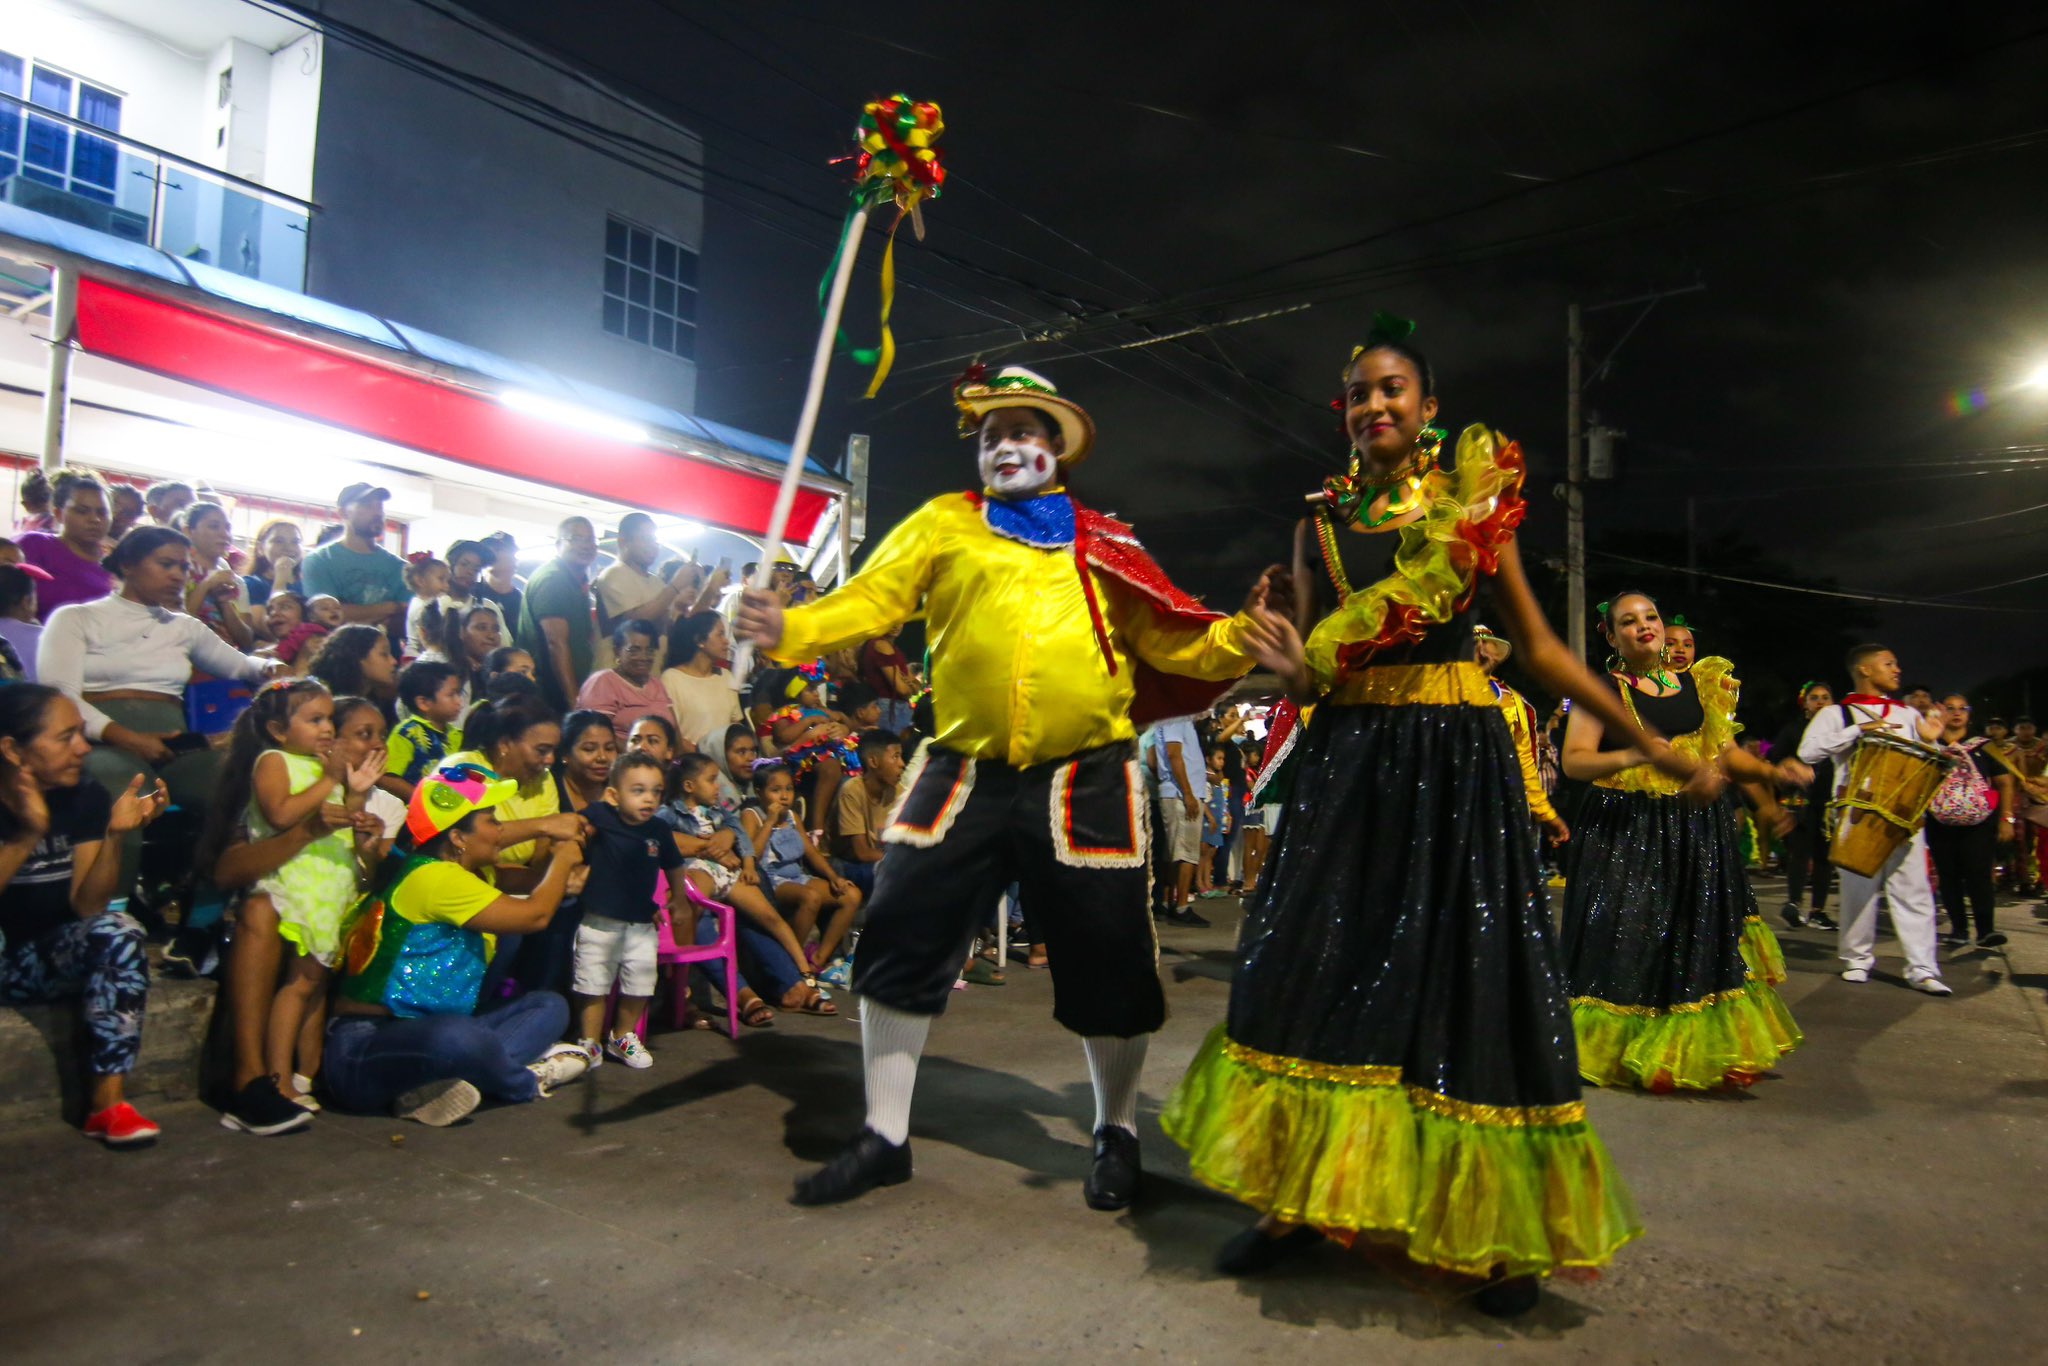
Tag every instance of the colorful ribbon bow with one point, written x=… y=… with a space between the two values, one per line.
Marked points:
x=1345 y=494
x=897 y=161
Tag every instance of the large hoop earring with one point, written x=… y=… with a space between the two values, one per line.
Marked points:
x=1615 y=663
x=1429 y=445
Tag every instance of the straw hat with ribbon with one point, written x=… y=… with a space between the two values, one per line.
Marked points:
x=977 y=394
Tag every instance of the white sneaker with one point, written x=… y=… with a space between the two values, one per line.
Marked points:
x=592 y=1052
x=439 y=1103
x=1856 y=974
x=559 y=1066
x=1933 y=986
x=628 y=1049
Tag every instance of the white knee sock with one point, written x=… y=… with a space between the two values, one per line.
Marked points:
x=890 y=1042
x=1113 y=1067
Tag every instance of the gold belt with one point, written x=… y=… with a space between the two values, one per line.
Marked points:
x=1393 y=685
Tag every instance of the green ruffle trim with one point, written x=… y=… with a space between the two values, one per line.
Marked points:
x=1730 y=1041
x=1367 y=1161
x=1760 y=951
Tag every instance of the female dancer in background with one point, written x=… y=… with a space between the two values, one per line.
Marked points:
x=1671 y=968
x=1396 y=1066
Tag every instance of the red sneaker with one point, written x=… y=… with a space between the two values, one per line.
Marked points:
x=122 y=1126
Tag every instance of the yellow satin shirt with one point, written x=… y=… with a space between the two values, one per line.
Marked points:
x=1516 y=710
x=1017 y=675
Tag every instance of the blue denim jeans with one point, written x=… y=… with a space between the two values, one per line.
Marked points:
x=764 y=964
x=373 y=1060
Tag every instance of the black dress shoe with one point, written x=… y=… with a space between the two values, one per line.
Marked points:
x=1251 y=1251
x=1113 y=1181
x=867 y=1162
x=1508 y=1298
x=1186 y=916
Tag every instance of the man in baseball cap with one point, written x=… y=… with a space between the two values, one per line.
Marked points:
x=365 y=578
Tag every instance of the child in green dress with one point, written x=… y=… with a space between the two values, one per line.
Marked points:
x=282 y=764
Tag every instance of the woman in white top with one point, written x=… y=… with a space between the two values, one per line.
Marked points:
x=125 y=660
x=697 y=681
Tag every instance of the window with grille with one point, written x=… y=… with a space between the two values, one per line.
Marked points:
x=49 y=152
x=650 y=289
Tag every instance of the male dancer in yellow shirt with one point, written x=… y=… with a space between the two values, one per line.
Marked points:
x=1050 y=631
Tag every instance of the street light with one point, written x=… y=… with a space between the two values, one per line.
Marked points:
x=2037 y=378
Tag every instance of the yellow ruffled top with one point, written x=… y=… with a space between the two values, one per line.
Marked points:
x=1719 y=690
x=1471 y=512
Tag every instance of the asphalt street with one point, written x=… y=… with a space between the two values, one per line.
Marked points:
x=1879 y=1200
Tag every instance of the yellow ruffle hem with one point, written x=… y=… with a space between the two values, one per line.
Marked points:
x=1728 y=1039
x=1760 y=952
x=1355 y=1152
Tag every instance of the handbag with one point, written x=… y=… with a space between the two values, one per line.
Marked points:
x=1963 y=798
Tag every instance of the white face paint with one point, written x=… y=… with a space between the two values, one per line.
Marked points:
x=1017 y=467
x=1017 y=457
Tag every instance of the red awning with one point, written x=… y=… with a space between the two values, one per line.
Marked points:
x=390 y=403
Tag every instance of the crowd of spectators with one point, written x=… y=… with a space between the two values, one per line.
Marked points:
x=432 y=856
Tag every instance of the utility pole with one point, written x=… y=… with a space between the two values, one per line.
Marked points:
x=1575 y=449
x=1574 y=487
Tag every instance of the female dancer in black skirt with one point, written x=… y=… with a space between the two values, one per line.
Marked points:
x=1397 y=1063
x=1672 y=971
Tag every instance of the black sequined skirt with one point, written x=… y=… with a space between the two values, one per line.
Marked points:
x=1657 y=908
x=1397 y=1064
x=1403 y=919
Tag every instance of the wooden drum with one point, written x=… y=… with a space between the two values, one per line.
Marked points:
x=1891 y=781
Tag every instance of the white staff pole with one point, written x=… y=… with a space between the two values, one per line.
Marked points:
x=806 y=423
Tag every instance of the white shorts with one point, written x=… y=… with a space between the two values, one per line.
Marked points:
x=722 y=877
x=610 y=951
x=1183 y=832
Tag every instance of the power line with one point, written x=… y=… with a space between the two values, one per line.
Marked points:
x=1037 y=82
x=581 y=132
x=1882 y=599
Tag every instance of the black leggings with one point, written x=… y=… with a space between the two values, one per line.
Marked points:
x=1805 y=850
x=1963 y=855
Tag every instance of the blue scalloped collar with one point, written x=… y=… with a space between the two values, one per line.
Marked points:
x=1045 y=522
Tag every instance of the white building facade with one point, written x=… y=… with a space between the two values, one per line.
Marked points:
x=491 y=211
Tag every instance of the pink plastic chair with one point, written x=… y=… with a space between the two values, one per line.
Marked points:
x=688 y=952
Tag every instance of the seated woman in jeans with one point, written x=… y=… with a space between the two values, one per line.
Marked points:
x=56 y=877
x=405 y=1033
x=125 y=660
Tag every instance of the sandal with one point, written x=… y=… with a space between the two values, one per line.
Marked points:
x=983 y=973
x=815 y=1002
x=1038 y=961
x=756 y=1014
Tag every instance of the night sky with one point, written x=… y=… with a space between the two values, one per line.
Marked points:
x=1862 y=199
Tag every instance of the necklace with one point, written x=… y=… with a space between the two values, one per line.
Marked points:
x=1407 y=500
x=1663 y=680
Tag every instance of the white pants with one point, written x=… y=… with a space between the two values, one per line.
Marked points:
x=1903 y=880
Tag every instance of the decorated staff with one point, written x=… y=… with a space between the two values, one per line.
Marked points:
x=897 y=161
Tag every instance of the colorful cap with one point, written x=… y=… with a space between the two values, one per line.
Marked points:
x=451 y=792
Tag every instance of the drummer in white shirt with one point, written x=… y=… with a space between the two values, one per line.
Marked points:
x=1831 y=734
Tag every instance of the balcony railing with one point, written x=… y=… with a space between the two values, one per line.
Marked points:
x=69 y=169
